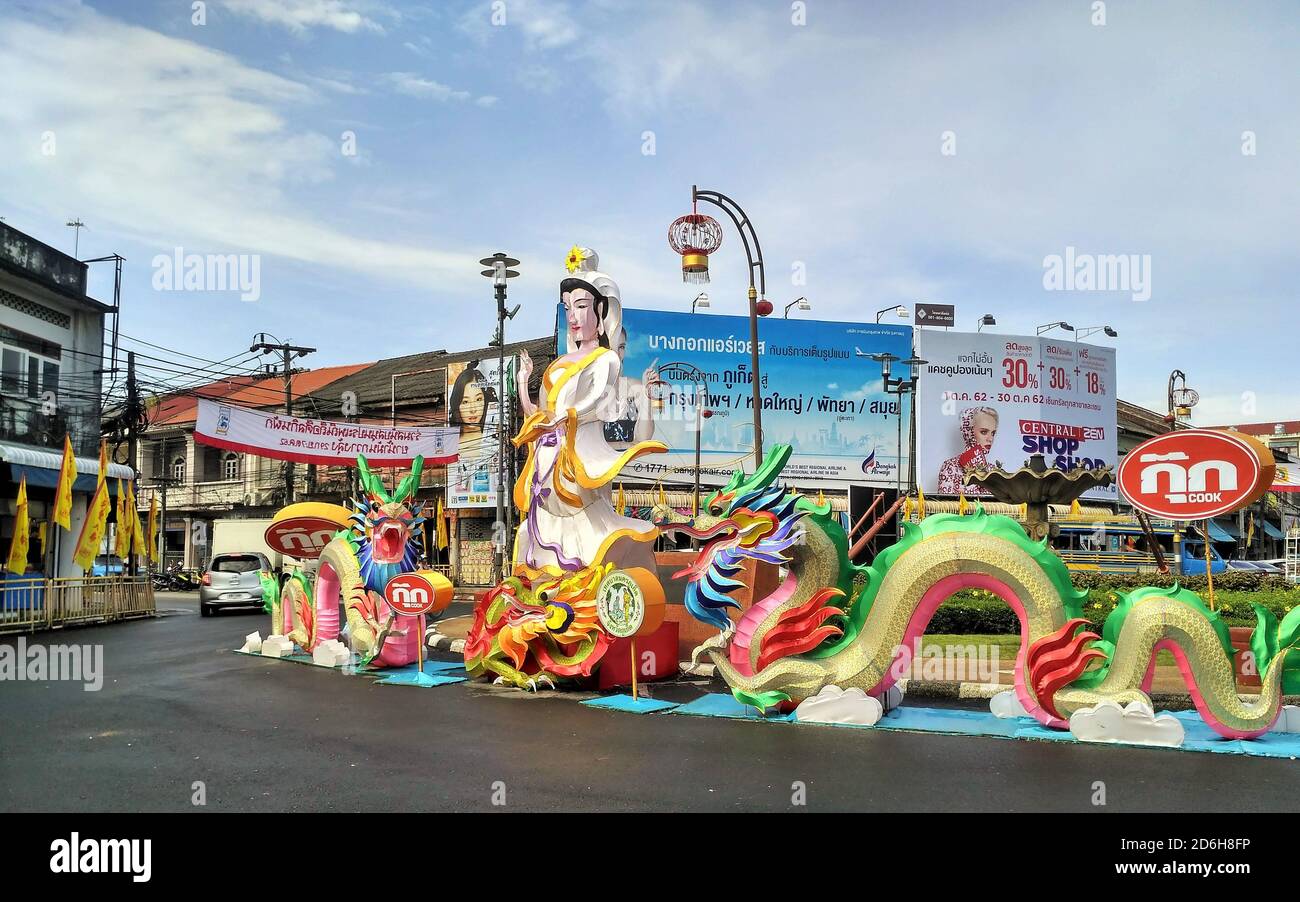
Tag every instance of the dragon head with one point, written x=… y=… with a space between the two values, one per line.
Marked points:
x=385 y=526
x=751 y=518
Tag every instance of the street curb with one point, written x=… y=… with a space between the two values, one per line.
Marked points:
x=443 y=643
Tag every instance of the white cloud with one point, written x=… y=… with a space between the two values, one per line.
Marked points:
x=836 y=705
x=301 y=15
x=545 y=25
x=415 y=86
x=173 y=143
x=1135 y=723
x=486 y=100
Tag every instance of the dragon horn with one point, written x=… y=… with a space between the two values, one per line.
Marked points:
x=371 y=483
x=411 y=483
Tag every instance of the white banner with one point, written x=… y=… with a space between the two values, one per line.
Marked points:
x=983 y=398
x=323 y=442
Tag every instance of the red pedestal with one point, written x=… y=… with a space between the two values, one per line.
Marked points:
x=656 y=658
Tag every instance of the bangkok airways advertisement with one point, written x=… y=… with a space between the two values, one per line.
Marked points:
x=817 y=394
x=984 y=398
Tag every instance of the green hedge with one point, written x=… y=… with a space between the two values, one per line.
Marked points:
x=1236 y=580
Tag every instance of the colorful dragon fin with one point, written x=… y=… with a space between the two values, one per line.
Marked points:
x=739 y=484
x=411 y=483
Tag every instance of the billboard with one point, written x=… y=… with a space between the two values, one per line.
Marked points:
x=817 y=396
x=474 y=408
x=983 y=397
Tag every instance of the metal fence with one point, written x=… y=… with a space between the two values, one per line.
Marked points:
x=36 y=603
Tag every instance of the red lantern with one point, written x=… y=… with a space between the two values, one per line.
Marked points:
x=763 y=307
x=695 y=236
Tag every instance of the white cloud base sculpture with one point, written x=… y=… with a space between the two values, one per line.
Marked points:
x=1135 y=724
x=834 y=705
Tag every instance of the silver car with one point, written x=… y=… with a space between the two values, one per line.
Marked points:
x=232 y=580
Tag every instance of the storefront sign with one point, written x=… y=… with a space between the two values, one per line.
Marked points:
x=1196 y=474
x=324 y=442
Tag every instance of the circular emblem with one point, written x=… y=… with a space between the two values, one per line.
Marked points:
x=620 y=605
x=303 y=530
x=409 y=594
x=1195 y=474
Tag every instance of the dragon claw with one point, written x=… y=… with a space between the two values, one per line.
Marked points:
x=546 y=680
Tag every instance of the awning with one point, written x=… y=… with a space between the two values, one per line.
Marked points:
x=1272 y=531
x=1217 y=532
x=42 y=468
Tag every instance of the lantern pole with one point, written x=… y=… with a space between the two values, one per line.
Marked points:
x=754 y=257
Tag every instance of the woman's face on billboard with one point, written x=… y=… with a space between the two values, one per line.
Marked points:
x=985 y=428
x=471 y=406
x=580 y=311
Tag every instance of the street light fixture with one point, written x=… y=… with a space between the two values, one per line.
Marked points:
x=1089 y=330
x=1059 y=323
x=986 y=320
x=701 y=300
x=695 y=237
x=898 y=308
x=900 y=386
x=803 y=305
x=499 y=272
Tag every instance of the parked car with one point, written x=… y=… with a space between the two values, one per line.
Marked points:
x=113 y=566
x=233 y=580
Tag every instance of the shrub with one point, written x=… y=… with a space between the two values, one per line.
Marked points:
x=1234 y=580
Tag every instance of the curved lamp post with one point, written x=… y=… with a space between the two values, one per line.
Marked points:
x=695 y=237
x=499 y=271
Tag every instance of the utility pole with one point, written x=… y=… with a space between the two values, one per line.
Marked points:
x=499 y=271
x=132 y=438
x=162 y=526
x=287 y=352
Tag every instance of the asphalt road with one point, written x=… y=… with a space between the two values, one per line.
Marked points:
x=177 y=706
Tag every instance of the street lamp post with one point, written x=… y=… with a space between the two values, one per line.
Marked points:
x=803 y=305
x=701 y=300
x=1085 y=331
x=897 y=308
x=897 y=385
x=1058 y=324
x=986 y=320
x=499 y=272
x=682 y=235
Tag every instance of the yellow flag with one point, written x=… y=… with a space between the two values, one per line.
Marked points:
x=907 y=508
x=1250 y=529
x=153 y=529
x=821 y=498
x=663 y=496
x=621 y=504
x=130 y=544
x=441 y=535
x=17 y=563
x=138 y=547
x=1076 y=510
x=122 y=539
x=40 y=536
x=92 y=531
x=961 y=503
x=103 y=462
x=920 y=503
x=67 y=476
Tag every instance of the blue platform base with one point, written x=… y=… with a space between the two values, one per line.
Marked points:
x=1198 y=735
x=629 y=704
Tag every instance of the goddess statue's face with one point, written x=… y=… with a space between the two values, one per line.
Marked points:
x=580 y=311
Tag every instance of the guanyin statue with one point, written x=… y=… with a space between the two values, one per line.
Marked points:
x=564 y=488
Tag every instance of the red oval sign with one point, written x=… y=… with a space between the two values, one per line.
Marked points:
x=301 y=537
x=1195 y=474
x=410 y=594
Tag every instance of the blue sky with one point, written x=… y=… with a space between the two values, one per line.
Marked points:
x=531 y=134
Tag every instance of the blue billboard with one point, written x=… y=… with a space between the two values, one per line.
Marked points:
x=817 y=395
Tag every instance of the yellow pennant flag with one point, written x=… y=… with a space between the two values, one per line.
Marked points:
x=907 y=508
x=621 y=504
x=103 y=462
x=122 y=538
x=92 y=531
x=1076 y=509
x=40 y=536
x=920 y=503
x=138 y=547
x=67 y=476
x=1250 y=529
x=663 y=496
x=821 y=498
x=441 y=535
x=962 y=505
x=129 y=518
x=153 y=529
x=18 y=545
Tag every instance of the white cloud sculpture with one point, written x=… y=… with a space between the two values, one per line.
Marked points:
x=1289 y=720
x=836 y=705
x=252 y=643
x=1007 y=704
x=1135 y=723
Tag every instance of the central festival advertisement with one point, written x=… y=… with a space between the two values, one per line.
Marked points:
x=819 y=397
x=984 y=398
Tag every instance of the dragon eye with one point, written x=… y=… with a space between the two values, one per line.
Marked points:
x=374 y=507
